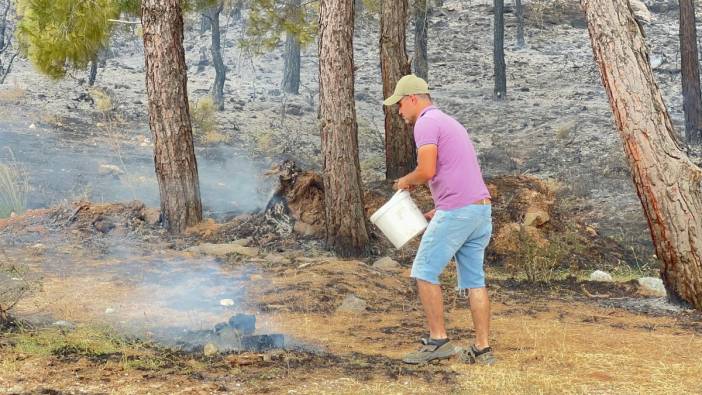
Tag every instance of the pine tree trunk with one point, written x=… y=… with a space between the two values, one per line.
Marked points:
x=169 y=114
x=3 y=25
x=346 y=231
x=667 y=182
x=93 y=72
x=520 y=23
x=421 y=16
x=690 y=65
x=216 y=50
x=499 y=51
x=291 y=68
x=400 y=157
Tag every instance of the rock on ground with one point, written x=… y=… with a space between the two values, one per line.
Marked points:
x=352 y=304
x=599 y=275
x=386 y=263
x=652 y=285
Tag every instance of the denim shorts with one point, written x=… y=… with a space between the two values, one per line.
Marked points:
x=462 y=233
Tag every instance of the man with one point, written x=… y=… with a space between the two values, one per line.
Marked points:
x=461 y=222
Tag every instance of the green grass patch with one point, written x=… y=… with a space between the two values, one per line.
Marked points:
x=98 y=343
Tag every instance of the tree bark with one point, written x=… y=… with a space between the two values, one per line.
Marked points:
x=291 y=67
x=667 y=182
x=346 y=231
x=421 y=16
x=169 y=114
x=690 y=65
x=519 y=9
x=400 y=157
x=499 y=50
x=216 y=50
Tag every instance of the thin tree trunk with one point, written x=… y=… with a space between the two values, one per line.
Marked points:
x=667 y=182
x=7 y=67
x=520 y=23
x=169 y=114
x=93 y=71
x=236 y=10
x=346 y=231
x=421 y=16
x=690 y=65
x=216 y=50
x=291 y=67
x=400 y=157
x=204 y=23
x=499 y=50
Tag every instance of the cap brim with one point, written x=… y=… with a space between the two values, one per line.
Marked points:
x=392 y=100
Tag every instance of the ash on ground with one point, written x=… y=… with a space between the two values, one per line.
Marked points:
x=235 y=335
x=651 y=306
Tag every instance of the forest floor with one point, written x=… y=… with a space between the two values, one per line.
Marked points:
x=106 y=294
x=103 y=310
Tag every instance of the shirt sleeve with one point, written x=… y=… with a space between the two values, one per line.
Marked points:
x=426 y=132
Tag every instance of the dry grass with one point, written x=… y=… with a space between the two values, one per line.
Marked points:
x=537 y=354
x=543 y=346
x=14 y=189
x=205 y=123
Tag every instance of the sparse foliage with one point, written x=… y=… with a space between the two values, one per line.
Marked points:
x=269 y=19
x=60 y=34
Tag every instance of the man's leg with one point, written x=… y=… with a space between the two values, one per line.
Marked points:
x=480 y=311
x=433 y=303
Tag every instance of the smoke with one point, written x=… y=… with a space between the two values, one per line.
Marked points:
x=64 y=167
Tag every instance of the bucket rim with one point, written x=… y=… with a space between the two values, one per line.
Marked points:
x=399 y=195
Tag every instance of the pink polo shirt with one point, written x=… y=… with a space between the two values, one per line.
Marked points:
x=458 y=181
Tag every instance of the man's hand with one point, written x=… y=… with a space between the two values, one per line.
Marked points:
x=430 y=214
x=400 y=183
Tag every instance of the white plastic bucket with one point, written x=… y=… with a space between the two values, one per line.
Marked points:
x=399 y=219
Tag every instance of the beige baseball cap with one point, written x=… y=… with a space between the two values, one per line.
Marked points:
x=407 y=85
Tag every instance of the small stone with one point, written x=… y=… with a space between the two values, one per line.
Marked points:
x=209 y=350
x=226 y=302
x=536 y=217
x=652 y=285
x=32 y=126
x=387 y=264
x=352 y=304
x=602 y=276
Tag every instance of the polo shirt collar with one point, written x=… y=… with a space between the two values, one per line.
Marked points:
x=428 y=108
